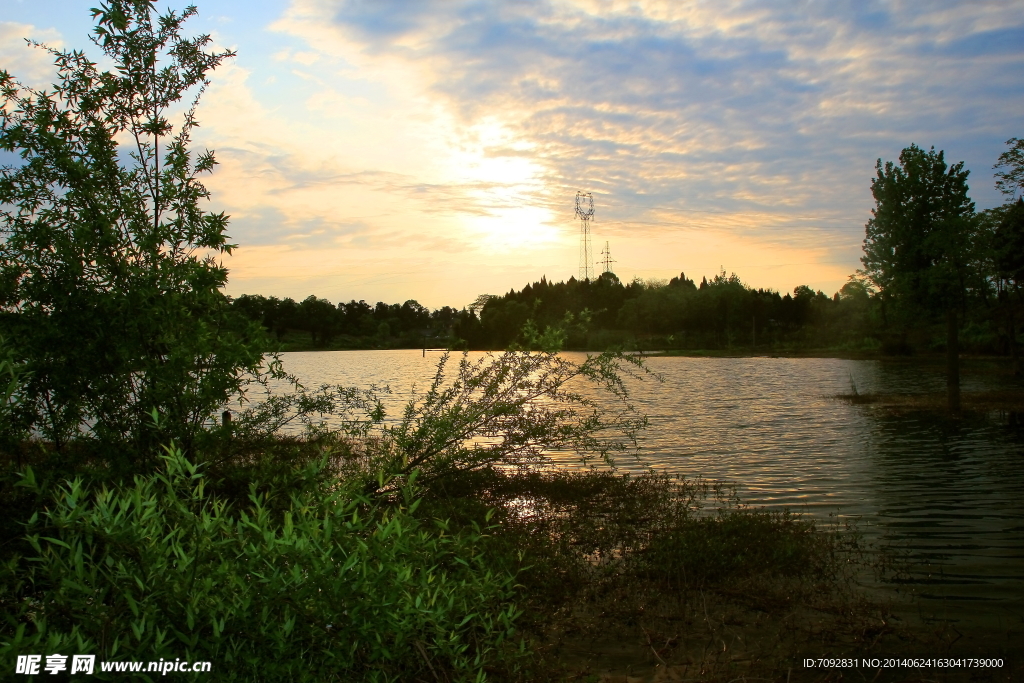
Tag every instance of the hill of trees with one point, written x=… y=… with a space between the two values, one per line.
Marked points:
x=721 y=313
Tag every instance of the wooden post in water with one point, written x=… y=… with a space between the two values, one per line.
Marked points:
x=1013 y=340
x=952 y=361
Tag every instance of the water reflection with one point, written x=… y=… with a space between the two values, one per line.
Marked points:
x=950 y=492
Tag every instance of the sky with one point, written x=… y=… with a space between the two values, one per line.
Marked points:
x=388 y=150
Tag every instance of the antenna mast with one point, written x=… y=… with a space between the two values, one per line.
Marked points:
x=585 y=211
x=607 y=260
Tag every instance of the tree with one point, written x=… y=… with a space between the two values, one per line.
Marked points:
x=1009 y=244
x=1011 y=180
x=1007 y=253
x=110 y=286
x=919 y=242
x=319 y=317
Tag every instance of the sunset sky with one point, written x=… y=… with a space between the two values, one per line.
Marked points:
x=431 y=150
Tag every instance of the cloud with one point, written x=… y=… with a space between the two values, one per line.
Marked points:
x=32 y=66
x=751 y=123
x=441 y=133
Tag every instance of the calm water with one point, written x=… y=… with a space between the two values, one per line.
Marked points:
x=950 y=492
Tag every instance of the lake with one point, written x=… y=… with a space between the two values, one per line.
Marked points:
x=948 y=492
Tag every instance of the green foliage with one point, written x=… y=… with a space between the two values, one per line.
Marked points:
x=731 y=546
x=1008 y=245
x=1011 y=181
x=1004 y=229
x=327 y=587
x=109 y=284
x=552 y=338
x=317 y=323
x=12 y=378
x=511 y=410
x=920 y=241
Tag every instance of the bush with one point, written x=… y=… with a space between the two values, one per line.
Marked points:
x=329 y=587
x=511 y=410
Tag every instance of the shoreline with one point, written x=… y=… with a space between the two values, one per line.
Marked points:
x=924 y=358
x=936 y=401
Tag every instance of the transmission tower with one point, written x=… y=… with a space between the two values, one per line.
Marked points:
x=607 y=260
x=585 y=211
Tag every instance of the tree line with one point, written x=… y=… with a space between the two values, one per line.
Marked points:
x=719 y=313
x=317 y=323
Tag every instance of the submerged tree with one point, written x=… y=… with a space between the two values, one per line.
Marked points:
x=920 y=240
x=109 y=281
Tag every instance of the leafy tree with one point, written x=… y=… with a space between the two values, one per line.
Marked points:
x=1005 y=231
x=1009 y=247
x=319 y=317
x=1011 y=180
x=109 y=281
x=510 y=410
x=919 y=241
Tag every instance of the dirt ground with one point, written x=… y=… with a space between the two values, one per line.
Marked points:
x=752 y=636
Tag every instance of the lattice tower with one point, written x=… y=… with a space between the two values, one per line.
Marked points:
x=607 y=261
x=585 y=211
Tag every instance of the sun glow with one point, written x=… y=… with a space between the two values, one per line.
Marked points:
x=523 y=228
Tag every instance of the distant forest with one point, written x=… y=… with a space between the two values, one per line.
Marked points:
x=720 y=314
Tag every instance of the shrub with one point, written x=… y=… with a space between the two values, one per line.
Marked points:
x=511 y=410
x=331 y=587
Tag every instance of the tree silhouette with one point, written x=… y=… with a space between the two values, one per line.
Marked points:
x=919 y=241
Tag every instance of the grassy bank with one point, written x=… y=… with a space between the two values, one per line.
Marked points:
x=644 y=578
x=529 y=575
